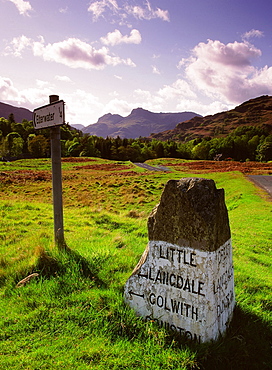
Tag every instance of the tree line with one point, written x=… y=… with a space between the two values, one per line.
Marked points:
x=20 y=140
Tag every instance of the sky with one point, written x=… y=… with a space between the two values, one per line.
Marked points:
x=112 y=56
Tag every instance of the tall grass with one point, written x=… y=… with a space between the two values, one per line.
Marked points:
x=72 y=316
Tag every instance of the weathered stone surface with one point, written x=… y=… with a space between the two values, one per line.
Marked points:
x=184 y=279
x=192 y=212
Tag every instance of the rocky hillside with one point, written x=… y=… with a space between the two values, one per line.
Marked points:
x=254 y=112
x=139 y=122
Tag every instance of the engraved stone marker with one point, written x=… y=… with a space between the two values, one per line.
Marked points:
x=184 y=279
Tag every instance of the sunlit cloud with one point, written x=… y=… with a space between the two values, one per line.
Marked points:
x=24 y=7
x=116 y=37
x=81 y=107
x=251 y=34
x=178 y=89
x=63 y=78
x=63 y=10
x=147 y=12
x=72 y=52
x=7 y=90
x=155 y=70
x=225 y=71
x=28 y=98
x=99 y=8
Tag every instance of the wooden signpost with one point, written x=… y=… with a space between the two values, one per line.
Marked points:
x=52 y=116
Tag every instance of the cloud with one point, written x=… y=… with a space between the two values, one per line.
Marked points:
x=41 y=84
x=63 y=10
x=147 y=12
x=81 y=106
x=30 y=98
x=251 y=34
x=72 y=52
x=63 y=78
x=236 y=54
x=18 y=45
x=24 y=7
x=225 y=71
x=155 y=70
x=116 y=37
x=7 y=90
x=100 y=6
x=99 y=9
x=179 y=89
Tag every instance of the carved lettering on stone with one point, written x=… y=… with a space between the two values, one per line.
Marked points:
x=184 y=279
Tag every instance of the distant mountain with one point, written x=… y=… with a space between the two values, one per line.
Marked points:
x=19 y=113
x=78 y=126
x=254 y=112
x=139 y=122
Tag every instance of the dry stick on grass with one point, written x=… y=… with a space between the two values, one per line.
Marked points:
x=26 y=280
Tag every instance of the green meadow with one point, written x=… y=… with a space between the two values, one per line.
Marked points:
x=72 y=316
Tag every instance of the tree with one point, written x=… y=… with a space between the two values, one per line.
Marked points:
x=74 y=150
x=201 y=150
x=264 y=150
x=11 y=118
x=38 y=146
x=5 y=126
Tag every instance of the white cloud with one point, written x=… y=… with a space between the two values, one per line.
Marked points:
x=30 y=98
x=179 y=89
x=144 y=95
x=202 y=108
x=236 y=54
x=252 y=33
x=63 y=10
x=18 y=45
x=100 y=6
x=42 y=84
x=147 y=12
x=81 y=107
x=118 y=106
x=155 y=70
x=225 y=71
x=7 y=90
x=72 y=52
x=24 y=7
x=63 y=78
x=99 y=9
x=116 y=37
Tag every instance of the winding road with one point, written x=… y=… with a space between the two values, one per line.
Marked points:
x=263 y=181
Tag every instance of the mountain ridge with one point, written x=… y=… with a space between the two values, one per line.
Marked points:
x=254 y=112
x=140 y=122
x=19 y=113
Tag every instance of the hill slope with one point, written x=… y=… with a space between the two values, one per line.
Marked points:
x=139 y=122
x=254 y=112
x=19 y=113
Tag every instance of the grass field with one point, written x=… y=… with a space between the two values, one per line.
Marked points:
x=72 y=316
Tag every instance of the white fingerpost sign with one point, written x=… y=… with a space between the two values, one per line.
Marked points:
x=49 y=115
x=52 y=116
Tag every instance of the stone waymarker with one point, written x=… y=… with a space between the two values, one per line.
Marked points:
x=184 y=279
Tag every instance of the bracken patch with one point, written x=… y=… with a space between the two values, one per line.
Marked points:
x=224 y=166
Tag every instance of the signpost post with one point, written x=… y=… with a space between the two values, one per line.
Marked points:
x=52 y=115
